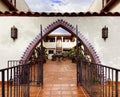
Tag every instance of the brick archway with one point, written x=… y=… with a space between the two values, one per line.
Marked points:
x=70 y=28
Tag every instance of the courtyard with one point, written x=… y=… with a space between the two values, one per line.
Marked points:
x=59 y=81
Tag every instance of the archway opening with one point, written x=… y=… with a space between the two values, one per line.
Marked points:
x=61 y=48
x=60 y=44
x=86 y=50
x=57 y=46
x=68 y=27
x=59 y=69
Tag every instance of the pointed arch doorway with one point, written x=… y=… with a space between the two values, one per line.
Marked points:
x=84 y=43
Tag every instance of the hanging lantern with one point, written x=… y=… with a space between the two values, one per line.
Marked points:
x=14 y=32
x=105 y=33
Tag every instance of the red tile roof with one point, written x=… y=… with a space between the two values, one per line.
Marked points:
x=16 y=13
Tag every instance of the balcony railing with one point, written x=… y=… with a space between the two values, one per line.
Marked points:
x=63 y=44
x=68 y=44
x=49 y=44
x=99 y=80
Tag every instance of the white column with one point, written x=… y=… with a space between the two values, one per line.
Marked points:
x=55 y=43
x=62 y=43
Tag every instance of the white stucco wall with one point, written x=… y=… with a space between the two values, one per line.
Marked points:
x=90 y=27
x=3 y=7
x=96 y=6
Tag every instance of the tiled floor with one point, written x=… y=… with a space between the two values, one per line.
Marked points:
x=60 y=80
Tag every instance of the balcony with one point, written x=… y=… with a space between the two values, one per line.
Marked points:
x=49 y=44
x=68 y=45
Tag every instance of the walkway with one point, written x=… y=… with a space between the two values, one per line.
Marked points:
x=60 y=80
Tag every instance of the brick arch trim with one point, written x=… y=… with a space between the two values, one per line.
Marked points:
x=68 y=27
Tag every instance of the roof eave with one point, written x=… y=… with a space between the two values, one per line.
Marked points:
x=52 y=14
x=107 y=7
x=10 y=5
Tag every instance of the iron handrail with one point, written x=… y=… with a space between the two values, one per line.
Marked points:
x=101 y=65
x=98 y=80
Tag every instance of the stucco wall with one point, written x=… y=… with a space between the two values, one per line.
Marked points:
x=90 y=27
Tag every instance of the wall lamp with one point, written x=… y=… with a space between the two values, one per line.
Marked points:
x=105 y=32
x=14 y=33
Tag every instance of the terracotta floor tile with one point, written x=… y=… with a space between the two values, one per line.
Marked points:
x=56 y=88
x=45 y=92
x=77 y=92
x=55 y=96
x=66 y=88
x=55 y=92
x=43 y=96
x=58 y=85
x=66 y=96
x=65 y=85
x=80 y=95
x=66 y=92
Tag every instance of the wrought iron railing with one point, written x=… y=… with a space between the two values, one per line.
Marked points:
x=18 y=77
x=13 y=84
x=99 y=80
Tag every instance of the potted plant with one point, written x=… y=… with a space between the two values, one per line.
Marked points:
x=71 y=55
x=53 y=57
x=44 y=54
x=65 y=55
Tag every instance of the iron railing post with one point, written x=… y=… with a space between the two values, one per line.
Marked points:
x=38 y=71
x=3 y=82
x=80 y=73
x=28 y=83
x=41 y=58
x=116 y=83
x=77 y=57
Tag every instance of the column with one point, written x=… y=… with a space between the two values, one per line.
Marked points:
x=55 y=44
x=62 y=43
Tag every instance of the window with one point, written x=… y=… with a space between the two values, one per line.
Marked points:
x=51 y=40
x=66 y=40
x=51 y=51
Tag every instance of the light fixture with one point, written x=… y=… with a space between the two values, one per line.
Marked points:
x=105 y=32
x=14 y=33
